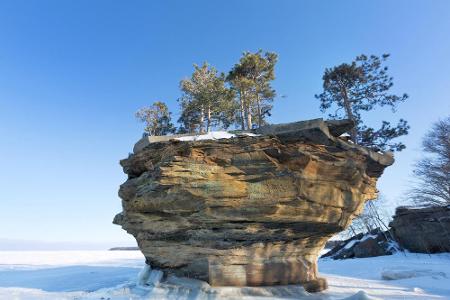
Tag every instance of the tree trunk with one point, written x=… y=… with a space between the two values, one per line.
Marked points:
x=241 y=102
x=349 y=112
x=249 y=119
x=208 y=121
x=202 y=119
x=258 y=103
x=248 y=113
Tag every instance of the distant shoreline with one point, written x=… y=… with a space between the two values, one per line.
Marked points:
x=123 y=249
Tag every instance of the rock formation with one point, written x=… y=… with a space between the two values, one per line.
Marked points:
x=249 y=210
x=374 y=243
x=424 y=230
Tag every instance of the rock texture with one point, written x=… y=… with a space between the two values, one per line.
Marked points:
x=424 y=230
x=374 y=243
x=250 y=210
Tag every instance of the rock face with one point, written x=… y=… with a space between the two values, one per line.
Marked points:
x=374 y=243
x=424 y=230
x=249 y=210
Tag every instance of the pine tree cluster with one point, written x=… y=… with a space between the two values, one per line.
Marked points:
x=244 y=97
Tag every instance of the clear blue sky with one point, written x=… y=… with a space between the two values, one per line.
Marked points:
x=72 y=74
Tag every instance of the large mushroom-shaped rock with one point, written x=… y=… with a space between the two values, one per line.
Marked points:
x=248 y=210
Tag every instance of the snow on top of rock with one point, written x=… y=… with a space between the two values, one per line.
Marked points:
x=368 y=236
x=365 y=237
x=213 y=135
x=349 y=245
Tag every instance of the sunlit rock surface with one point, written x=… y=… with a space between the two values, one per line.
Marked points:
x=248 y=210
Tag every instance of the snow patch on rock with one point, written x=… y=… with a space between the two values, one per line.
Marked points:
x=213 y=135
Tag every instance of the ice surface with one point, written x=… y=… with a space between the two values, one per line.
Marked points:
x=114 y=275
x=405 y=272
x=149 y=276
x=155 y=277
x=42 y=259
x=144 y=274
x=367 y=273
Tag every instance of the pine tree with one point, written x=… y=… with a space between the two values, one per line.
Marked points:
x=360 y=86
x=157 y=119
x=251 y=79
x=206 y=101
x=242 y=87
x=190 y=116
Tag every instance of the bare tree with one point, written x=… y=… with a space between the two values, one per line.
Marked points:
x=433 y=170
x=373 y=216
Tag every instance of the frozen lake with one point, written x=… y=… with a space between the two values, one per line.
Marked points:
x=113 y=275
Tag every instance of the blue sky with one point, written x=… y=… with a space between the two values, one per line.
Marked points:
x=72 y=74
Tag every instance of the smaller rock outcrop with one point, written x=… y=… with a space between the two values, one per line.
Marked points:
x=374 y=243
x=423 y=230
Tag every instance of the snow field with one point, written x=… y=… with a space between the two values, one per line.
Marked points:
x=118 y=275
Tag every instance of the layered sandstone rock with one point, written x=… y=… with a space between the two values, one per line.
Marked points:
x=249 y=210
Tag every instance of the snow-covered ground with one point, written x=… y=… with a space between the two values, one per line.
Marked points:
x=113 y=275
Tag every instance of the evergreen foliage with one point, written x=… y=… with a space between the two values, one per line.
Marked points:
x=251 y=80
x=157 y=119
x=361 y=86
x=206 y=101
